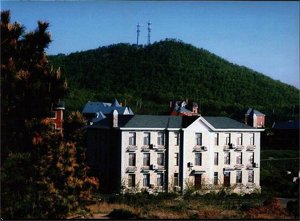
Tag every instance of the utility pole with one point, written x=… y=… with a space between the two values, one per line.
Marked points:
x=149 y=32
x=137 y=34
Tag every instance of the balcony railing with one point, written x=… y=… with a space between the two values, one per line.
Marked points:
x=145 y=148
x=160 y=148
x=238 y=166
x=250 y=147
x=131 y=148
x=199 y=148
x=131 y=169
x=251 y=166
x=160 y=168
x=228 y=147
x=239 y=148
x=146 y=168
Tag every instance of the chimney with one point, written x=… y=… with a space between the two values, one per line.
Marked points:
x=121 y=104
x=171 y=104
x=115 y=119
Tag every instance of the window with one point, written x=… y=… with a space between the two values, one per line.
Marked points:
x=160 y=138
x=227 y=158
x=238 y=176
x=147 y=138
x=146 y=159
x=240 y=139
x=239 y=158
x=160 y=159
x=146 y=180
x=250 y=176
x=217 y=139
x=252 y=139
x=198 y=139
x=177 y=138
x=176 y=179
x=131 y=159
x=198 y=159
x=160 y=179
x=176 y=159
x=216 y=158
x=216 y=178
x=131 y=180
x=132 y=138
x=227 y=138
x=251 y=159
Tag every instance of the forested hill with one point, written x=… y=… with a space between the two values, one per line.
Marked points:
x=147 y=77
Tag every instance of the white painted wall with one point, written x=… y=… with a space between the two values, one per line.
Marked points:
x=189 y=155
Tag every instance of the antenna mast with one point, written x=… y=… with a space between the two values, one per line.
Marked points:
x=137 y=33
x=149 y=32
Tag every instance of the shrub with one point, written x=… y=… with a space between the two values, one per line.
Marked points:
x=293 y=207
x=122 y=214
x=270 y=210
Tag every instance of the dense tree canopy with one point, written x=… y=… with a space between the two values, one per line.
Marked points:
x=147 y=77
x=43 y=173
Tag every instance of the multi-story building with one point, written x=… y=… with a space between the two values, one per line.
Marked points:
x=57 y=117
x=254 y=118
x=183 y=108
x=167 y=153
x=96 y=111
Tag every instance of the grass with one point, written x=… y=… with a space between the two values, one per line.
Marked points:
x=191 y=207
x=274 y=181
x=277 y=175
x=265 y=154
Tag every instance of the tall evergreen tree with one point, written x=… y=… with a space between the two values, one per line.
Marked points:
x=43 y=175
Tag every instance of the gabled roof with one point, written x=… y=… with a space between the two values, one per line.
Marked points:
x=105 y=108
x=93 y=107
x=154 y=121
x=226 y=123
x=115 y=103
x=252 y=111
x=183 y=110
x=171 y=122
x=130 y=111
x=148 y=121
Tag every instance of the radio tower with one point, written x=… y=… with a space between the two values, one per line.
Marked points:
x=137 y=33
x=149 y=32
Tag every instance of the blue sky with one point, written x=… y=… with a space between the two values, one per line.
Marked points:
x=263 y=36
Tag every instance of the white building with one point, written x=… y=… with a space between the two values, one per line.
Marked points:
x=166 y=153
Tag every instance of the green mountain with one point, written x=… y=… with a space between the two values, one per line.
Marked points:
x=147 y=77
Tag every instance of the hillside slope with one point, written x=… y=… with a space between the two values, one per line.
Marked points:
x=147 y=77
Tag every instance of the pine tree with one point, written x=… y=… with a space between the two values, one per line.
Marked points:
x=43 y=175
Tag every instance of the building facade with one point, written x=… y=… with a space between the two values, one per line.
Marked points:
x=254 y=118
x=97 y=111
x=57 y=118
x=172 y=153
x=184 y=108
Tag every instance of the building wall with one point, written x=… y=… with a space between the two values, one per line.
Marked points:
x=258 y=121
x=187 y=154
x=104 y=156
x=208 y=157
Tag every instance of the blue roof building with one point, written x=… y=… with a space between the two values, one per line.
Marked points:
x=96 y=111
